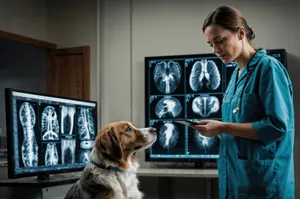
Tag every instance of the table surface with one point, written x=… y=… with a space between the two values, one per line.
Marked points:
x=170 y=172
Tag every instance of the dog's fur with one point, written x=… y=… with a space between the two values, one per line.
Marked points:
x=115 y=147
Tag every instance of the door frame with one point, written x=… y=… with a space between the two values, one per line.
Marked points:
x=27 y=40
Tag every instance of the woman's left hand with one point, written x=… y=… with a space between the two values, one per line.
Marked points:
x=209 y=128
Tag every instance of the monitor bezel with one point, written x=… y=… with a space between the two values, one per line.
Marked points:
x=10 y=128
x=283 y=53
x=148 y=158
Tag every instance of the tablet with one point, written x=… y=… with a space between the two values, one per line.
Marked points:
x=186 y=122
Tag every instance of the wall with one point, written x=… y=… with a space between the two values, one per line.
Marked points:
x=115 y=61
x=14 y=72
x=140 y=28
x=28 y=18
x=73 y=23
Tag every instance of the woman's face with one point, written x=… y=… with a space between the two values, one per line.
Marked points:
x=226 y=44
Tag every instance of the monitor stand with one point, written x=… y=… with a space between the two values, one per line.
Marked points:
x=198 y=164
x=206 y=164
x=43 y=176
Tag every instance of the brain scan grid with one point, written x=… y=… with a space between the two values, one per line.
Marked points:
x=184 y=88
x=52 y=135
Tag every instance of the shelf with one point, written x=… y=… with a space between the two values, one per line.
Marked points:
x=191 y=173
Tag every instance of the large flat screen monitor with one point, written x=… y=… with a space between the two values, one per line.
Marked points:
x=186 y=87
x=48 y=134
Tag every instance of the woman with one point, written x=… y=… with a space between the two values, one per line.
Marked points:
x=257 y=128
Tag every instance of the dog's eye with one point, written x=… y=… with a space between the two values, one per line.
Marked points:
x=128 y=129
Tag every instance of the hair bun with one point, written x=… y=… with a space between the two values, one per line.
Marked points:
x=251 y=34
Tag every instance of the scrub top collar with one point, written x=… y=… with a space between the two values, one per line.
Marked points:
x=253 y=61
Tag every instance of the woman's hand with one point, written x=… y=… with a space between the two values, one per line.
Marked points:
x=209 y=128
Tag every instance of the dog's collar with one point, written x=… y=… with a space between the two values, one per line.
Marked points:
x=103 y=166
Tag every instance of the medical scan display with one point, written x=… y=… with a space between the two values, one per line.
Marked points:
x=184 y=88
x=188 y=87
x=51 y=133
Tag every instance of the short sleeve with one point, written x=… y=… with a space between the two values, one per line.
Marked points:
x=275 y=91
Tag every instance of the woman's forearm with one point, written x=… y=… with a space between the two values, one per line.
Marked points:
x=244 y=130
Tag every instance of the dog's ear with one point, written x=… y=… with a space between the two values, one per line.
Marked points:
x=110 y=144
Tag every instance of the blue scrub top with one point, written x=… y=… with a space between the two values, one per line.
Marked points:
x=265 y=168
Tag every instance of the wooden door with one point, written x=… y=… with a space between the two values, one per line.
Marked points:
x=68 y=73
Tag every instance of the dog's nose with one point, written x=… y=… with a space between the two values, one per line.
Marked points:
x=152 y=130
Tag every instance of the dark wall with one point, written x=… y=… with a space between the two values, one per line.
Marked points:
x=22 y=66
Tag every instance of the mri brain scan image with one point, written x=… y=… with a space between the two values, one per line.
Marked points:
x=206 y=144
x=168 y=107
x=205 y=105
x=168 y=135
x=49 y=124
x=204 y=73
x=51 y=154
x=67 y=120
x=167 y=76
x=29 y=148
x=86 y=126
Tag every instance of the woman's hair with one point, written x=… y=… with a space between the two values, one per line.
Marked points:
x=229 y=18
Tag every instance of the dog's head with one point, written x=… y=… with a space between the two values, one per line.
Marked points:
x=117 y=143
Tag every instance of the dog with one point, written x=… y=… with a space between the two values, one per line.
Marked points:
x=111 y=171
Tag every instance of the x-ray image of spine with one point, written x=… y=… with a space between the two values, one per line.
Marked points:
x=168 y=135
x=205 y=105
x=51 y=155
x=85 y=156
x=68 y=151
x=167 y=76
x=204 y=72
x=168 y=107
x=49 y=124
x=67 y=120
x=29 y=145
x=206 y=144
x=86 y=127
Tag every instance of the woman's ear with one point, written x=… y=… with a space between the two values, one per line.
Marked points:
x=241 y=33
x=109 y=144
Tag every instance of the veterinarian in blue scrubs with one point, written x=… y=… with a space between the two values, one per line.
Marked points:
x=257 y=128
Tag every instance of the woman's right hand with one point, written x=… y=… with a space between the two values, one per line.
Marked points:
x=209 y=128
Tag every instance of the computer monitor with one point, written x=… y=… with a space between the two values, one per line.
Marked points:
x=279 y=54
x=176 y=88
x=48 y=134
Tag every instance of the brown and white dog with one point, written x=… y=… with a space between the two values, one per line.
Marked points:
x=111 y=171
